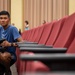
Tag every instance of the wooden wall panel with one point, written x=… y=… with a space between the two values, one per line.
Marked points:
x=35 y=11
x=5 y=5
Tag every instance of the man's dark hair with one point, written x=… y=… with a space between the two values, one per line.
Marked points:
x=5 y=13
x=26 y=22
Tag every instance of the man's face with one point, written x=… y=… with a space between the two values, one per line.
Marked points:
x=4 y=20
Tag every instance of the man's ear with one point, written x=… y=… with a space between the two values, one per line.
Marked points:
x=9 y=18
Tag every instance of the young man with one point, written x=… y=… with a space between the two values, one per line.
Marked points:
x=11 y=34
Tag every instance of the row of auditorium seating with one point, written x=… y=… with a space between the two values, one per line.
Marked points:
x=53 y=41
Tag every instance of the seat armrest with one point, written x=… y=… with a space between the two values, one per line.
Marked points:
x=44 y=49
x=34 y=45
x=29 y=45
x=56 y=62
x=48 y=57
x=26 y=42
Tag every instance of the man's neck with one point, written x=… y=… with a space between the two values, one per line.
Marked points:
x=5 y=27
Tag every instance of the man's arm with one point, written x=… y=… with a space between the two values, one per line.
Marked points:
x=20 y=39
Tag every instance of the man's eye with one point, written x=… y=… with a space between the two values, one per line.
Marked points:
x=0 y=18
x=3 y=18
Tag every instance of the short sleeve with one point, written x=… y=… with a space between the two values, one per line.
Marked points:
x=15 y=33
x=1 y=33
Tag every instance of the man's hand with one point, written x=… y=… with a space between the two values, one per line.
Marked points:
x=5 y=44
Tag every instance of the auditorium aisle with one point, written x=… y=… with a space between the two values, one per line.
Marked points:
x=14 y=70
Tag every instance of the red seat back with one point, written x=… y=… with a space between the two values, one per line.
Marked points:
x=55 y=31
x=72 y=47
x=41 y=28
x=67 y=33
x=46 y=33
